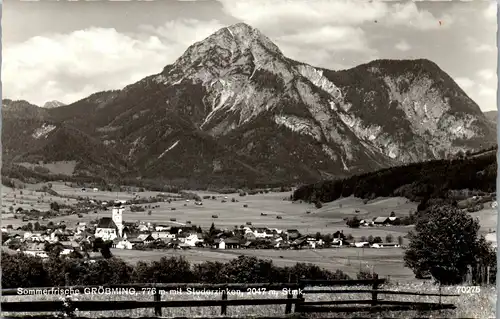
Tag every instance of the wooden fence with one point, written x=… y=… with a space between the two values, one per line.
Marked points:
x=294 y=297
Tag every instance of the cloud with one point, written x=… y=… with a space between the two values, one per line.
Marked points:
x=302 y=13
x=475 y=46
x=68 y=67
x=486 y=74
x=402 y=46
x=491 y=12
x=465 y=83
x=487 y=91
x=408 y=14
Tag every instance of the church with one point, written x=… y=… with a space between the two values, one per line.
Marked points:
x=111 y=228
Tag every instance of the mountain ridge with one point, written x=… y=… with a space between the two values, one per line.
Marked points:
x=234 y=107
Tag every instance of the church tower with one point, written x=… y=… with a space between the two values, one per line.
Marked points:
x=117 y=216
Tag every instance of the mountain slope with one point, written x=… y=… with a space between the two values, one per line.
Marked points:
x=492 y=116
x=234 y=108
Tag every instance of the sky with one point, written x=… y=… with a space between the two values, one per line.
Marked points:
x=67 y=50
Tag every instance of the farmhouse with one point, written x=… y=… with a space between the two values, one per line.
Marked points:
x=146 y=238
x=228 y=243
x=381 y=220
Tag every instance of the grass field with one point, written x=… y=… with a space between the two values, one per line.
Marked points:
x=387 y=262
x=481 y=305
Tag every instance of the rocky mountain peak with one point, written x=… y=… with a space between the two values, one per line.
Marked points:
x=237 y=47
x=53 y=104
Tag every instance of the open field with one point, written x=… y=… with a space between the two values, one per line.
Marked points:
x=479 y=305
x=327 y=219
x=387 y=262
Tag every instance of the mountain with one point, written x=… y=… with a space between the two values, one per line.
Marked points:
x=53 y=104
x=492 y=116
x=233 y=108
x=30 y=135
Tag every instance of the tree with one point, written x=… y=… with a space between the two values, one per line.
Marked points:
x=29 y=226
x=400 y=240
x=318 y=204
x=318 y=236
x=370 y=239
x=54 y=206
x=393 y=214
x=11 y=209
x=37 y=226
x=362 y=239
x=377 y=240
x=445 y=243
x=388 y=238
x=353 y=222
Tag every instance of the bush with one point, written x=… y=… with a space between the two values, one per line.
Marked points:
x=353 y=222
x=26 y=271
x=318 y=205
x=445 y=243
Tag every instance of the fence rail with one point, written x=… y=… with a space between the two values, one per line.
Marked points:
x=294 y=297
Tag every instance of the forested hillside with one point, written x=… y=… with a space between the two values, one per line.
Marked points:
x=431 y=179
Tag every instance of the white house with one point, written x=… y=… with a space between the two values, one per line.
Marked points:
x=263 y=233
x=361 y=244
x=222 y=244
x=124 y=244
x=162 y=227
x=192 y=240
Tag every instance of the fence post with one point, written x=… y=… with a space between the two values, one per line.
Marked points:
x=300 y=297
x=157 y=298
x=374 y=290
x=223 y=308
x=288 y=307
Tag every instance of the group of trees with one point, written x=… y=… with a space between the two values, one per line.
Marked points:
x=431 y=179
x=27 y=271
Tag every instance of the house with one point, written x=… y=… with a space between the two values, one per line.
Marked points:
x=124 y=244
x=232 y=243
x=292 y=234
x=250 y=236
x=162 y=235
x=381 y=220
x=337 y=241
x=146 y=238
x=106 y=229
x=193 y=239
x=160 y=228
x=227 y=243
x=361 y=244
x=263 y=233
x=394 y=221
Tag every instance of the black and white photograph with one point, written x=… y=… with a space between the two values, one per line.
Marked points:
x=249 y=158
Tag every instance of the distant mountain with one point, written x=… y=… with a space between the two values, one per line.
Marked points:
x=233 y=108
x=53 y=104
x=492 y=116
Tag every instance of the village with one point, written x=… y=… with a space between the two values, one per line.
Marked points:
x=121 y=234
